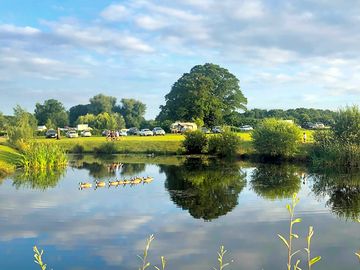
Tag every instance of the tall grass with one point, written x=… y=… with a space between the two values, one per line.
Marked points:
x=43 y=156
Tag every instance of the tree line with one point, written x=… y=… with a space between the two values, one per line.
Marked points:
x=208 y=95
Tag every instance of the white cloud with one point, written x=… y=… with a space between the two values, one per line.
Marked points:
x=149 y=23
x=115 y=12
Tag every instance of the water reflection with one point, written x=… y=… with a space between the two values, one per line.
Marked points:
x=41 y=180
x=207 y=189
x=342 y=190
x=274 y=181
x=130 y=169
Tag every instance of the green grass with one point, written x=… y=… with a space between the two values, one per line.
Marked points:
x=169 y=144
x=9 y=159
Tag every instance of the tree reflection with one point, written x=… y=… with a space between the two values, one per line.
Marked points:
x=130 y=169
x=37 y=179
x=274 y=181
x=343 y=190
x=207 y=189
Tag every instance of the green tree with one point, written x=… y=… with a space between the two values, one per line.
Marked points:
x=195 y=142
x=102 y=103
x=52 y=110
x=102 y=121
x=2 y=122
x=23 y=126
x=208 y=92
x=133 y=112
x=77 y=111
x=276 y=138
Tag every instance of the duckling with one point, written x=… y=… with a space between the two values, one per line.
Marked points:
x=126 y=182
x=148 y=179
x=136 y=180
x=100 y=184
x=84 y=185
x=113 y=183
x=120 y=182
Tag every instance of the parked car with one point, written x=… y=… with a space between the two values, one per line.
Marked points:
x=105 y=133
x=50 y=133
x=72 y=134
x=86 y=133
x=133 y=131
x=146 y=132
x=246 y=128
x=216 y=129
x=205 y=130
x=158 y=131
x=123 y=132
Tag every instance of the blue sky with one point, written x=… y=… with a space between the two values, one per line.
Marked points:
x=286 y=55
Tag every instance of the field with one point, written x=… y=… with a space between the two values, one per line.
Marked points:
x=168 y=144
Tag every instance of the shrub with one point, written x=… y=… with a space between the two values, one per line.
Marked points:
x=106 y=148
x=195 y=142
x=347 y=125
x=276 y=138
x=226 y=144
x=78 y=148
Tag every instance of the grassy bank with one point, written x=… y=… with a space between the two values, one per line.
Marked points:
x=9 y=159
x=169 y=144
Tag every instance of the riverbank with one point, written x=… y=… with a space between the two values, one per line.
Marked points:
x=9 y=159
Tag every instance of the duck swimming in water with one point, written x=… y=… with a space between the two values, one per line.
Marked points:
x=100 y=184
x=136 y=181
x=148 y=179
x=113 y=183
x=83 y=185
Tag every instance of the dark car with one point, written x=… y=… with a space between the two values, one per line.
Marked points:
x=50 y=133
x=133 y=131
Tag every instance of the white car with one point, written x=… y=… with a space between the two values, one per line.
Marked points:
x=216 y=129
x=246 y=128
x=72 y=134
x=146 y=132
x=158 y=131
x=86 y=133
x=123 y=132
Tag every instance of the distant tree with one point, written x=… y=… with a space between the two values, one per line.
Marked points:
x=22 y=128
x=208 y=92
x=52 y=110
x=77 y=111
x=103 y=121
x=101 y=103
x=2 y=122
x=133 y=112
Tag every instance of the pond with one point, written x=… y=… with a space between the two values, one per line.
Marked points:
x=193 y=206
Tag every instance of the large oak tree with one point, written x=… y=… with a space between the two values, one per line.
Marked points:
x=208 y=93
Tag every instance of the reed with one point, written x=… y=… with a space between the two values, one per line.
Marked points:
x=43 y=156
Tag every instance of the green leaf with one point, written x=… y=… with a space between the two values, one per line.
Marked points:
x=315 y=260
x=298 y=220
x=284 y=240
x=295 y=235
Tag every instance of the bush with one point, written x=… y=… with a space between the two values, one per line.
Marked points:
x=78 y=148
x=276 y=138
x=106 y=148
x=195 y=142
x=226 y=144
x=347 y=125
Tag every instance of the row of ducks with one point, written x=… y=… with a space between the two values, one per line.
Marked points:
x=133 y=181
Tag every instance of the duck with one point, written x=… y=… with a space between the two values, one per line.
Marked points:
x=85 y=185
x=127 y=182
x=148 y=179
x=113 y=183
x=120 y=182
x=100 y=184
x=136 y=180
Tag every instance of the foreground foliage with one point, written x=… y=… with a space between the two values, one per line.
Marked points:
x=226 y=144
x=340 y=146
x=42 y=156
x=195 y=142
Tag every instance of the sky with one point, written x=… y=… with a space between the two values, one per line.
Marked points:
x=286 y=54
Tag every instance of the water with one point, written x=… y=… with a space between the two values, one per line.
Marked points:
x=192 y=207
